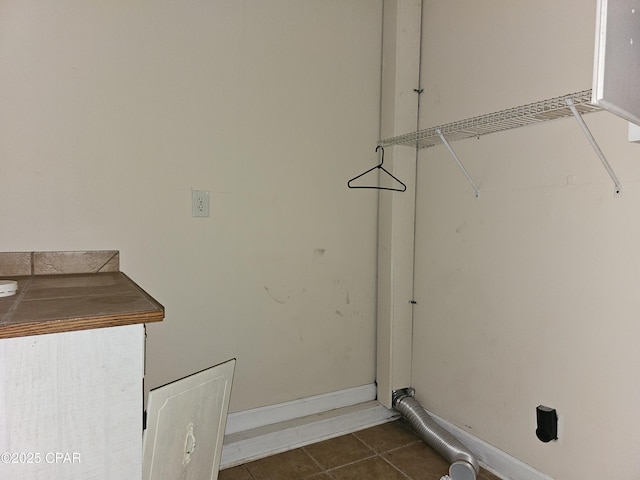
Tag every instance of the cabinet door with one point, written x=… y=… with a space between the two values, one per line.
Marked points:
x=70 y=405
x=617 y=58
x=186 y=421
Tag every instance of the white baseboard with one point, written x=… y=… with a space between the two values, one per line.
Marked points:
x=261 y=432
x=243 y=447
x=491 y=458
x=259 y=417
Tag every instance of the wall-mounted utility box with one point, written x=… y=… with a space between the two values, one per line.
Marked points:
x=547 y=420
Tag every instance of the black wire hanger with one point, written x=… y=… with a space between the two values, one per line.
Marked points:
x=377 y=187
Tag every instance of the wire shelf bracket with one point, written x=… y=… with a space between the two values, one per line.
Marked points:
x=596 y=147
x=455 y=157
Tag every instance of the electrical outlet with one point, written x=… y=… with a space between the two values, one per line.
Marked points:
x=199 y=203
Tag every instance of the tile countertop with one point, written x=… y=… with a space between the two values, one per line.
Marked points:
x=74 y=301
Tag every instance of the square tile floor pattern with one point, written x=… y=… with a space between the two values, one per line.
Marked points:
x=391 y=451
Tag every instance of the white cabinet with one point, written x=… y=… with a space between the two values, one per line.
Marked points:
x=71 y=405
x=71 y=367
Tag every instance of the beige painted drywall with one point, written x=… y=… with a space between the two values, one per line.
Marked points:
x=113 y=110
x=527 y=295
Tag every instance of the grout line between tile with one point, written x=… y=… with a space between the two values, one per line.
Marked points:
x=322 y=469
x=417 y=440
x=395 y=468
x=375 y=455
x=116 y=253
x=249 y=472
x=352 y=463
x=22 y=291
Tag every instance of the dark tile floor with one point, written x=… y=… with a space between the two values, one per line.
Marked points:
x=390 y=451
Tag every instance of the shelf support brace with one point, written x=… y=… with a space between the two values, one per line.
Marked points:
x=595 y=146
x=455 y=157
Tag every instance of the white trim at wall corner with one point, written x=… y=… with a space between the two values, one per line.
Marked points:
x=491 y=458
x=261 y=432
x=269 y=415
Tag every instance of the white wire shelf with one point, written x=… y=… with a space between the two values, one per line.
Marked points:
x=572 y=105
x=532 y=113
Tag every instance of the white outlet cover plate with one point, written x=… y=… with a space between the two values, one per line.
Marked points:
x=200 y=203
x=186 y=421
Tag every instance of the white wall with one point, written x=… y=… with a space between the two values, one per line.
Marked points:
x=527 y=295
x=113 y=110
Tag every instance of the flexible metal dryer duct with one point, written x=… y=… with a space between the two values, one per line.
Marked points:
x=464 y=466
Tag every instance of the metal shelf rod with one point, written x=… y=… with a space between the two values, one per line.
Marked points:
x=595 y=146
x=455 y=157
